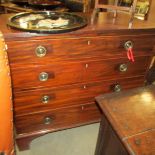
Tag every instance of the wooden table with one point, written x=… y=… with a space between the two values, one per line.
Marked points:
x=13 y=8
x=128 y=122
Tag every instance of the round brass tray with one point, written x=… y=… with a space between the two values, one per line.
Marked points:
x=74 y=22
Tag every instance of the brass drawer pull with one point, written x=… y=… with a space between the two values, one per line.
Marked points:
x=43 y=76
x=117 y=88
x=48 y=120
x=45 y=99
x=128 y=45
x=123 y=67
x=40 y=51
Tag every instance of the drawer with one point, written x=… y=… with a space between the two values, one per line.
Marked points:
x=61 y=49
x=57 y=119
x=28 y=102
x=60 y=74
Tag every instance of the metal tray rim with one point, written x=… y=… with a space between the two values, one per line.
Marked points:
x=52 y=31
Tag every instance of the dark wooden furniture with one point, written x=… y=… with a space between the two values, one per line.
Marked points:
x=13 y=8
x=115 y=6
x=56 y=77
x=127 y=126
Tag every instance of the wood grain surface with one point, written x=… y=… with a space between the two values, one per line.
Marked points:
x=131 y=117
x=28 y=102
x=80 y=65
x=76 y=72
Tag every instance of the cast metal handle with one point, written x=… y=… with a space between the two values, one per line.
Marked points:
x=117 y=88
x=48 y=120
x=43 y=76
x=45 y=99
x=123 y=67
x=41 y=51
x=128 y=44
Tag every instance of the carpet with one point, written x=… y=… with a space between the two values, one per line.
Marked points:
x=75 y=141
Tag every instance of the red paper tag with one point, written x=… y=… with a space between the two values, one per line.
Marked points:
x=130 y=54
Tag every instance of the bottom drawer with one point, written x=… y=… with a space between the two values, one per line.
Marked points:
x=57 y=119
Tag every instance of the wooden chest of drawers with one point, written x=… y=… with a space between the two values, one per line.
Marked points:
x=56 y=77
x=55 y=89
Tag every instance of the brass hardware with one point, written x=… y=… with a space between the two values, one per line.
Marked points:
x=45 y=99
x=43 y=76
x=152 y=62
x=128 y=44
x=117 y=88
x=137 y=142
x=48 y=120
x=40 y=51
x=123 y=67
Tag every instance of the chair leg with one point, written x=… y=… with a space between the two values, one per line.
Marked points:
x=94 y=14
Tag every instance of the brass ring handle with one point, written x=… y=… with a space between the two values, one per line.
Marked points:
x=41 y=51
x=123 y=67
x=128 y=44
x=43 y=76
x=48 y=120
x=45 y=99
x=117 y=88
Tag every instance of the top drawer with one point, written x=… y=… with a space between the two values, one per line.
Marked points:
x=61 y=49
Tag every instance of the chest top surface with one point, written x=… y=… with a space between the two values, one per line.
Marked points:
x=104 y=24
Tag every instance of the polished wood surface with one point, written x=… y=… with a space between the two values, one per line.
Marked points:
x=77 y=72
x=78 y=48
x=104 y=24
x=61 y=118
x=131 y=117
x=28 y=102
x=80 y=65
x=32 y=126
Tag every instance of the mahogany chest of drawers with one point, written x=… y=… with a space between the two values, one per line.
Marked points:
x=55 y=81
x=55 y=78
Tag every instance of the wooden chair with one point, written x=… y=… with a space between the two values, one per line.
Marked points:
x=116 y=7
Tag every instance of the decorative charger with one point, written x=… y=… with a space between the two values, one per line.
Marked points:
x=47 y=22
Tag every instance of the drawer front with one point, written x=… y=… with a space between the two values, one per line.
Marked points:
x=71 y=73
x=58 y=119
x=28 y=102
x=58 y=49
